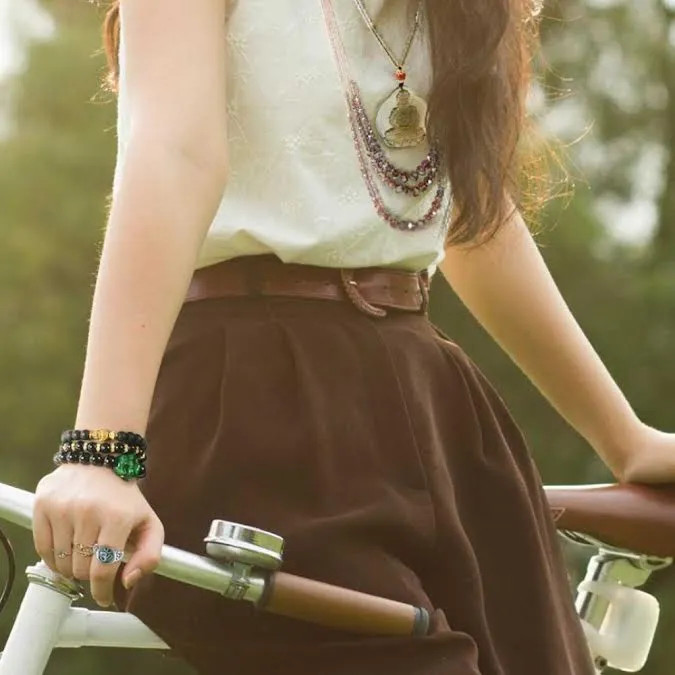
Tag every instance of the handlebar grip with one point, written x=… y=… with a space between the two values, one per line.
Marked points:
x=340 y=608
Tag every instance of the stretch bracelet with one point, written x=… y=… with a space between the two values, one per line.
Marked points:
x=128 y=466
x=103 y=435
x=104 y=448
x=123 y=452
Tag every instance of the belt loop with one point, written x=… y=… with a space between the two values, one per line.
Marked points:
x=352 y=291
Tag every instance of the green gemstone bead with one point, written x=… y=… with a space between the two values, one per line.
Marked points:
x=127 y=467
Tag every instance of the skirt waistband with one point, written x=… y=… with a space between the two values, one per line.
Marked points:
x=371 y=290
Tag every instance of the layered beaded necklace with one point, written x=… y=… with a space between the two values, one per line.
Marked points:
x=399 y=123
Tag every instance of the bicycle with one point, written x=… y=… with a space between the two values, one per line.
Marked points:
x=242 y=563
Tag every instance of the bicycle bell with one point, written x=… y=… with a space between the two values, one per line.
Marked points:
x=236 y=543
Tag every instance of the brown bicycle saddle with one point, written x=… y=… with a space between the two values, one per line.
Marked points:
x=639 y=518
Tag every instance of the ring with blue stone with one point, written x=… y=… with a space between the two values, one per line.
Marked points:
x=107 y=555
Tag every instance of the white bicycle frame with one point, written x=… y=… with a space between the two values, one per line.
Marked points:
x=619 y=620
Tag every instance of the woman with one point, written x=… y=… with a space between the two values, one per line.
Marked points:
x=276 y=172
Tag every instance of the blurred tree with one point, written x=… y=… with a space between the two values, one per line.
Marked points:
x=620 y=54
x=664 y=242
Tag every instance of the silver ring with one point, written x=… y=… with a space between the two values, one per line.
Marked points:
x=107 y=555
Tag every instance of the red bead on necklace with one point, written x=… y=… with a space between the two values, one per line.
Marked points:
x=401 y=75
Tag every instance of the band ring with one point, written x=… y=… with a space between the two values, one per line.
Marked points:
x=84 y=551
x=61 y=555
x=108 y=555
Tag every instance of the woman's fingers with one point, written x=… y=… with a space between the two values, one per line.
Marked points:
x=84 y=539
x=42 y=537
x=62 y=534
x=107 y=557
x=53 y=537
x=145 y=549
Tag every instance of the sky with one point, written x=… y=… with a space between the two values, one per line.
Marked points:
x=19 y=19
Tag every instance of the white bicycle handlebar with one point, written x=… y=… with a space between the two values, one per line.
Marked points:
x=46 y=619
x=16 y=506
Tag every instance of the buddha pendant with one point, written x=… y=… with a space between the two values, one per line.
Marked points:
x=400 y=119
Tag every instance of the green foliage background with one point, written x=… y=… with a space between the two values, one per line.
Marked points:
x=611 y=70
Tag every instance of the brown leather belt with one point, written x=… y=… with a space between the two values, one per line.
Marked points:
x=369 y=289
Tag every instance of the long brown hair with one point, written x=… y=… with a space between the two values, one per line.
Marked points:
x=482 y=52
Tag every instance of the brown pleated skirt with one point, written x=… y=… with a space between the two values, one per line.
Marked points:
x=387 y=462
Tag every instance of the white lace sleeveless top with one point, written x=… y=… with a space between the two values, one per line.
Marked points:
x=295 y=187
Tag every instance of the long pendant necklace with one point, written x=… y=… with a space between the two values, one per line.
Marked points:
x=370 y=153
x=400 y=119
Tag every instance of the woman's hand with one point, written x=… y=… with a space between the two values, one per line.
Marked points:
x=650 y=456
x=79 y=506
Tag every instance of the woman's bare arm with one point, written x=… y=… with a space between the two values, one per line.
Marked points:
x=508 y=288
x=170 y=184
x=169 y=189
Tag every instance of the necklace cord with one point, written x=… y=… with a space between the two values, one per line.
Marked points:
x=399 y=64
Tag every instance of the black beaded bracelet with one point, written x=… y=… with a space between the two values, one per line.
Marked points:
x=91 y=447
x=126 y=466
x=123 y=452
x=100 y=435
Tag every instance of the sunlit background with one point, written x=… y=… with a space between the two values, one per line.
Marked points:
x=607 y=92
